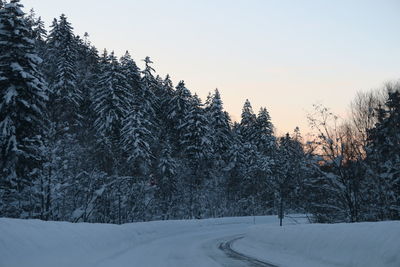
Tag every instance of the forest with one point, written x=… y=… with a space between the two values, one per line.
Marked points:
x=87 y=136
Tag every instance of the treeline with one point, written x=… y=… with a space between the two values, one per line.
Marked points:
x=91 y=137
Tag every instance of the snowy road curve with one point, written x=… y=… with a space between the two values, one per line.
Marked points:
x=193 y=243
x=242 y=259
x=199 y=243
x=208 y=246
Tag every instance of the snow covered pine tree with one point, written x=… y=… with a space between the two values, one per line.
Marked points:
x=23 y=122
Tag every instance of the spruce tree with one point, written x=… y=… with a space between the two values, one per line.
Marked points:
x=112 y=104
x=219 y=124
x=149 y=101
x=248 y=123
x=289 y=172
x=195 y=138
x=177 y=108
x=265 y=139
x=383 y=159
x=65 y=93
x=61 y=59
x=135 y=141
x=132 y=74
x=167 y=183
x=196 y=149
x=38 y=29
x=167 y=93
x=87 y=171
x=50 y=52
x=235 y=171
x=23 y=116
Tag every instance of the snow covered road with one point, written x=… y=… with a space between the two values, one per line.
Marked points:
x=229 y=242
x=208 y=245
x=187 y=248
x=194 y=243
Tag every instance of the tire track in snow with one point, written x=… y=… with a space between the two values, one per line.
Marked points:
x=226 y=247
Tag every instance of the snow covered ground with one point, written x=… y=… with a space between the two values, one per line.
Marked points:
x=162 y=243
x=358 y=244
x=195 y=243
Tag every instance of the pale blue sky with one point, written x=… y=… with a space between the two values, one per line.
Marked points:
x=285 y=55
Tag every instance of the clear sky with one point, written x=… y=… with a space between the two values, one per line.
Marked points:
x=284 y=55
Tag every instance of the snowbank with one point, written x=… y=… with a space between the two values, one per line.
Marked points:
x=174 y=243
x=38 y=243
x=357 y=244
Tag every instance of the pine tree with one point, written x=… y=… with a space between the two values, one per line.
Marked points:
x=132 y=74
x=146 y=101
x=112 y=104
x=39 y=32
x=166 y=94
x=30 y=19
x=265 y=140
x=289 y=174
x=177 y=108
x=167 y=183
x=179 y=104
x=235 y=171
x=61 y=59
x=87 y=177
x=149 y=101
x=196 y=150
x=248 y=122
x=383 y=159
x=254 y=180
x=168 y=87
x=66 y=95
x=22 y=116
x=87 y=62
x=50 y=52
x=135 y=141
x=195 y=138
x=219 y=124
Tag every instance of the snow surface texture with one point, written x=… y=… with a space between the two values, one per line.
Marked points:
x=183 y=243
x=195 y=243
x=358 y=244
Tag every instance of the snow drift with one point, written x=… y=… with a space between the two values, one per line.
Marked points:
x=374 y=244
x=38 y=243
x=175 y=243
